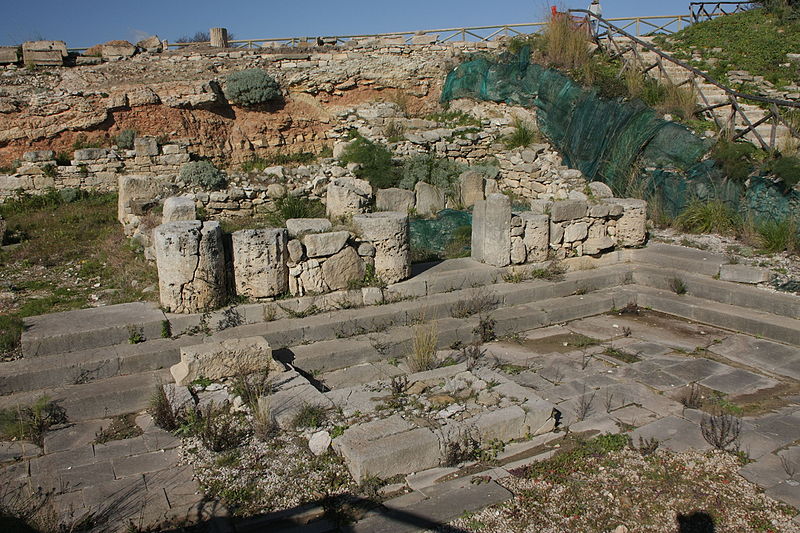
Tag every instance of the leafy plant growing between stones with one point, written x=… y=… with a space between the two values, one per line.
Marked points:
x=480 y=300
x=124 y=140
x=202 y=174
x=584 y=407
x=231 y=318
x=135 y=335
x=161 y=409
x=484 y=331
x=691 y=398
x=31 y=422
x=121 y=427
x=721 y=430
x=646 y=446
x=310 y=416
x=524 y=134
x=461 y=446
x=677 y=286
x=217 y=426
x=166 y=329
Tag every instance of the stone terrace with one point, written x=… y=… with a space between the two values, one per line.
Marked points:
x=723 y=336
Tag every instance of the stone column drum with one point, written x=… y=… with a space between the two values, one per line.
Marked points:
x=260 y=262
x=191 y=266
x=388 y=231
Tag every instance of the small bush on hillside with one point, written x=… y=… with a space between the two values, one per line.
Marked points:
x=714 y=216
x=125 y=139
x=736 y=159
x=437 y=171
x=563 y=45
x=679 y=101
x=787 y=169
x=779 y=235
x=251 y=87
x=203 y=174
x=375 y=162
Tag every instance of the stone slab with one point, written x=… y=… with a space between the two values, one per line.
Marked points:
x=738 y=381
x=674 y=433
x=400 y=453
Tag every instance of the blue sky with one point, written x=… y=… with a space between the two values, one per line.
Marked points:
x=84 y=23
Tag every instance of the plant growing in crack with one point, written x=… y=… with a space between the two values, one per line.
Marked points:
x=584 y=407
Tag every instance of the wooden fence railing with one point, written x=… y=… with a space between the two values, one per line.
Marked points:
x=701 y=11
x=627 y=47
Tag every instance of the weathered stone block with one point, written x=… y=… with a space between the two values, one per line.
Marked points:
x=301 y=226
x=632 y=225
x=537 y=236
x=568 y=210
x=44 y=52
x=90 y=154
x=177 y=208
x=117 y=49
x=491 y=222
x=347 y=196
x=394 y=199
x=217 y=360
x=325 y=244
x=389 y=234
x=259 y=262
x=744 y=274
x=8 y=55
x=191 y=266
x=600 y=190
x=597 y=245
x=39 y=156
x=576 y=232
x=145 y=146
x=471 y=186
x=343 y=269
x=430 y=199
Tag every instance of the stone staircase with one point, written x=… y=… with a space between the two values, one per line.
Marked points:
x=97 y=376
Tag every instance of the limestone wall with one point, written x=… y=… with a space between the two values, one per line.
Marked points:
x=554 y=229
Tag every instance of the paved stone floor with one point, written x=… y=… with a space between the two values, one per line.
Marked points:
x=140 y=480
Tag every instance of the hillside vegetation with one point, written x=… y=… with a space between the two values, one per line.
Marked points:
x=756 y=41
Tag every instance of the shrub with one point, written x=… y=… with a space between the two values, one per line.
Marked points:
x=31 y=423
x=202 y=174
x=787 y=169
x=125 y=139
x=437 y=171
x=310 y=416
x=524 y=134
x=374 y=160
x=251 y=87
x=423 y=348
x=294 y=207
x=565 y=46
x=779 y=235
x=708 y=217
x=218 y=427
x=679 y=101
x=160 y=408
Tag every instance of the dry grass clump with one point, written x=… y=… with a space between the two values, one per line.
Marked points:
x=679 y=100
x=423 y=348
x=565 y=45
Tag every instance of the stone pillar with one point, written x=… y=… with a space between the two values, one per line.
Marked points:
x=388 y=232
x=259 y=262
x=491 y=230
x=537 y=236
x=191 y=266
x=632 y=225
x=178 y=208
x=219 y=37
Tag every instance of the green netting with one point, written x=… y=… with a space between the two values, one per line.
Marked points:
x=606 y=139
x=435 y=234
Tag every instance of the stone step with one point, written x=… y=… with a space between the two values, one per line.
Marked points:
x=758 y=323
x=335 y=354
x=84 y=329
x=99 y=399
x=74 y=368
x=725 y=292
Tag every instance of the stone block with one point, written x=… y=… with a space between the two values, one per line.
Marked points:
x=301 y=226
x=117 y=49
x=325 y=244
x=145 y=146
x=347 y=196
x=220 y=359
x=259 y=262
x=568 y=210
x=597 y=245
x=39 y=156
x=471 y=187
x=576 y=232
x=394 y=199
x=8 y=55
x=536 y=236
x=427 y=38
x=389 y=233
x=744 y=274
x=632 y=225
x=90 y=154
x=386 y=448
x=191 y=266
x=491 y=222
x=344 y=268
x=44 y=52
x=430 y=199
x=177 y=208
x=152 y=44
x=600 y=190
